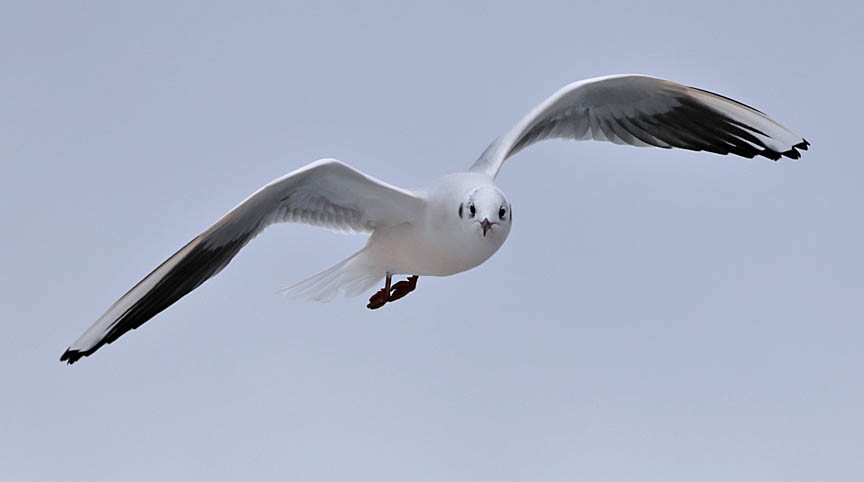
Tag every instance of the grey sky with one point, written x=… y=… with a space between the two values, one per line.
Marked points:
x=654 y=315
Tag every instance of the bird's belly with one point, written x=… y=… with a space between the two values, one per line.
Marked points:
x=402 y=250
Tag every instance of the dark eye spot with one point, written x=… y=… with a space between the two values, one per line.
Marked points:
x=460 y=210
x=472 y=209
x=502 y=211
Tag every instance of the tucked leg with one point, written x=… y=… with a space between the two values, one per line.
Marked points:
x=381 y=297
x=402 y=288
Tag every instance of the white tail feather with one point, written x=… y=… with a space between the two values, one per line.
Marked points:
x=352 y=277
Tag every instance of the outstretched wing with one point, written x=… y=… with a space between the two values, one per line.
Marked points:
x=325 y=193
x=646 y=111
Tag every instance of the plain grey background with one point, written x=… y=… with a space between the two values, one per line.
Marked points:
x=654 y=315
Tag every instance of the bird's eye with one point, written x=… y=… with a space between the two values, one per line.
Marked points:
x=502 y=211
x=472 y=209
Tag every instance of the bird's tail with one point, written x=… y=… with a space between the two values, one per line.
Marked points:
x=352 y=277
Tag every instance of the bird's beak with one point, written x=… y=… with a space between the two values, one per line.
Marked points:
x=486 y=225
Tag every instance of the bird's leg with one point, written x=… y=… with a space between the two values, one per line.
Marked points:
x=402 y=288
x=381 y=296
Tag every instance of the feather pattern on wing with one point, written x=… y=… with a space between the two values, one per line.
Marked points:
x=645 y=111
x=325 y=193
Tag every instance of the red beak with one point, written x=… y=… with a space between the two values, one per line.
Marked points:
x=486 y=225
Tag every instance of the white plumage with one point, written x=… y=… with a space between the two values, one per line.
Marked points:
x=456 y=222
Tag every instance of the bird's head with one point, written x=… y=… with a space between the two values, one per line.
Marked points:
x=485 y=210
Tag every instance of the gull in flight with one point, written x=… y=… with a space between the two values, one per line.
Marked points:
x=454 y=223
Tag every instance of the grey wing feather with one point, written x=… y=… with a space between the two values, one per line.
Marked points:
x=644 y=111
x=325 y=193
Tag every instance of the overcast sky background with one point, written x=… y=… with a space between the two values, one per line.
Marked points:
x=654 y=315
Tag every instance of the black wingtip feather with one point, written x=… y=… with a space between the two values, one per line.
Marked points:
x=770 y=154
x=691 y=126
x=792 y=154
x=71 y=356
x=195 y=267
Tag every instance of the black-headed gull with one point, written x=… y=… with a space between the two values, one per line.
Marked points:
x=456 y=222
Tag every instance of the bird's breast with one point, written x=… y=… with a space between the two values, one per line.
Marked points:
x=411 y=249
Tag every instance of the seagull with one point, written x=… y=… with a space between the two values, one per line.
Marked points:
x=454 y=223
